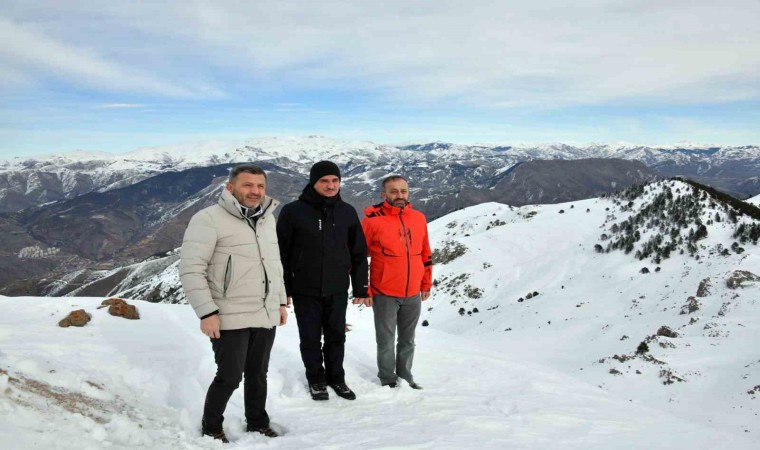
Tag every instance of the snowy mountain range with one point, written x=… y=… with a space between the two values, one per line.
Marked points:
x=622 y=321
x=26 y=182
x=84 y=235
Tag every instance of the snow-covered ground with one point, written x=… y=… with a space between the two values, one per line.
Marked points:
x=500 y=370
x=593 y=306
x=140 y=384
x=754 y=200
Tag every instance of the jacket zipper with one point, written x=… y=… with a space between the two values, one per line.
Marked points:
x=263 y=267
x=408 y=257
x=322 y=244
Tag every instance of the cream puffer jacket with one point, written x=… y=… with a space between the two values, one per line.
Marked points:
x=231 y=264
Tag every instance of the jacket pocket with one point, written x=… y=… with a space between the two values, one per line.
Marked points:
x=393 y=251
x=227 y=276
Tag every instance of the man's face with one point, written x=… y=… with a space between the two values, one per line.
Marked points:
x=248 y=189
x=327 y=186
x=396 y=193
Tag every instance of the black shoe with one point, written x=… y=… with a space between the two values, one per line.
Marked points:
x=343 y=391
x=391 y=385
x=318 y=391
x=266 y=431
x=414 y=385
x=218 y=436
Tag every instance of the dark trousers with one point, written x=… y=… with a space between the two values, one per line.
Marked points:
x=391 y=314
x=237 y=352
x=317 y=316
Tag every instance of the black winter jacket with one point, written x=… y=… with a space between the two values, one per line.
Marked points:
x=321 y=245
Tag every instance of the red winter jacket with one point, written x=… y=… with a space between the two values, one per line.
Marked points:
x=397 y=239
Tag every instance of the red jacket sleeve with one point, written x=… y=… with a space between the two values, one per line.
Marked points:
x=367 y=228
x=427 y=262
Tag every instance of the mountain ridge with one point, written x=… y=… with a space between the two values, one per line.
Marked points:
x=26 y=182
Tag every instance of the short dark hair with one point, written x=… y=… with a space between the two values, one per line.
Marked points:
x=388 y=179
x=246 y=168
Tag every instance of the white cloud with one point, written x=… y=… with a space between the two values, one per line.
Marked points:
x=28 y=50
x=487 y=53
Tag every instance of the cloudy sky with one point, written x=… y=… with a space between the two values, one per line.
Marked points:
x=114 y=76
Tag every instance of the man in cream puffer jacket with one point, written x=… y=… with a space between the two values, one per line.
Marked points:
x=231 y=273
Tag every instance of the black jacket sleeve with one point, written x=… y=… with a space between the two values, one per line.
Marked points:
x=284 y=239
x=358 y=248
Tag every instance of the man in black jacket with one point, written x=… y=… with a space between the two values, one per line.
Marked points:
x=321 y=245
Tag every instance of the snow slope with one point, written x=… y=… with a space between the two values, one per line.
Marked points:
x=592 y=306
x=145 y=382
x=754 y=200
x=557 y=370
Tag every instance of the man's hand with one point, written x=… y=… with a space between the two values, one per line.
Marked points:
x=283 y=315
x=366 y=301
x=210 y=326
x=425 y=295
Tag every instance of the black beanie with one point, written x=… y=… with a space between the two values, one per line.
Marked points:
x=321 y=169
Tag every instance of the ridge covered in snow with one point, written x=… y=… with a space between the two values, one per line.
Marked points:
x=540 y=334
x=314 y=148
x=26 y=182
x=532 y=283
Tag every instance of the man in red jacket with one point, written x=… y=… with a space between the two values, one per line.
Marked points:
x=401 y=273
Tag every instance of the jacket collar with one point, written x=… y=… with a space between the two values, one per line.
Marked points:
x=232 y=206
x=386 y=209
x=312 y=197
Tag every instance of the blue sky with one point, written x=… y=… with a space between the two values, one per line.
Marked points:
x=115 y=76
